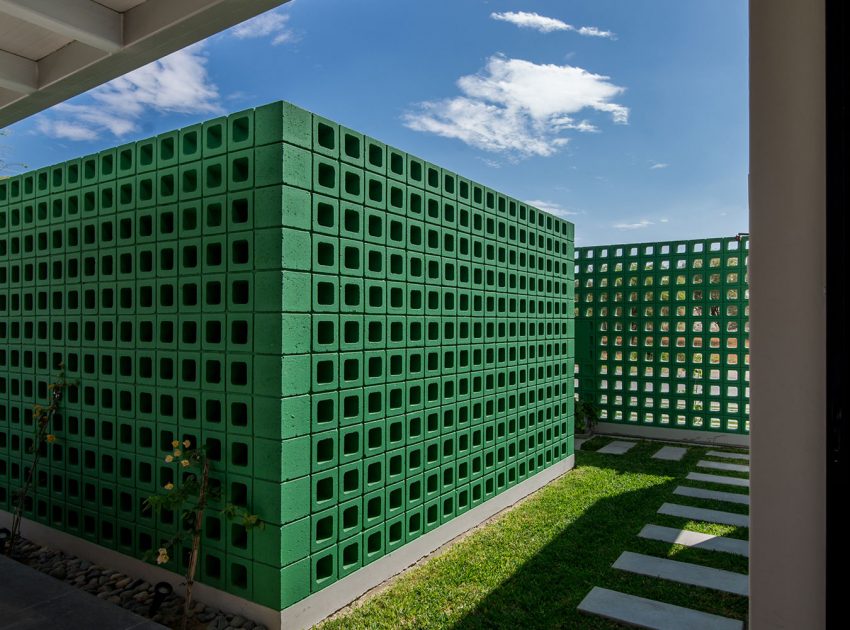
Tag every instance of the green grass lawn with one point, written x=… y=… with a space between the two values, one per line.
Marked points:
x=532 y=566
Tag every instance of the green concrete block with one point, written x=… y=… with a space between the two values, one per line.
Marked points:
x=283 y=122
x=276 y=206
x=297 y=288
x=295 y=457
x=326 y=138
x=268 y=459
x=296 y=208
x=189 y=144
x=295 y=541
x=240 y=130
x=267 y=590
x=280 y=503
x=282 y=376
x=351 y=146
x=214 y=137
x=294 y=582
x=326 y=175
x=282 y=249
x=283 y=164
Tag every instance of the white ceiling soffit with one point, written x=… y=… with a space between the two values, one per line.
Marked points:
x=51 y=50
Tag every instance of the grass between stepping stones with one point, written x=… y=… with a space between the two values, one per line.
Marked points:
x=533 y=565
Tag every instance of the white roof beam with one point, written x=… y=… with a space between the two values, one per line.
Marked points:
x=83 y=20
x=18 y=74
x=151 y=30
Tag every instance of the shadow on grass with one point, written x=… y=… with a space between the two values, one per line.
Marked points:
x=545 y=591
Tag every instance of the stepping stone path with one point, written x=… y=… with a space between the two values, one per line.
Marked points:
x=646 y=613
x=684 y=572
x=671 y=453
x=741 y=468
x=713 y=495
x=617 y=447
x=741 y=456
x=702 y=514
x=578 y=442
x=696 y=539
x=729 y=481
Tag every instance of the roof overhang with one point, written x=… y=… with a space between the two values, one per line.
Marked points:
x=52 y=50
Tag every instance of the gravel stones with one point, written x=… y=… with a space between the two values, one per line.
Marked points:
x=116 y=588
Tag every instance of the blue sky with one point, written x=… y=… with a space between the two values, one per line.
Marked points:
x=629 y=117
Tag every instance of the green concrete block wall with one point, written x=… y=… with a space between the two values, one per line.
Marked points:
x=370 y=345
x=662 y=333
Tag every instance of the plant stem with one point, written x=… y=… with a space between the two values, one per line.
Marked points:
x=25 y=490
x=196 y=540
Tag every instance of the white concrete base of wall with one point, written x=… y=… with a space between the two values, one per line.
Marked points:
x=318 y=606
x=674 y=435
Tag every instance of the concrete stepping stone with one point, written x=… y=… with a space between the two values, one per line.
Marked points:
x=729 y=481
x=741 y=468
x=647 y=613
x=697 y=540
x=741 y=456
x=578 y=442
x=670 y=453
x=702 y=514
x=684 y=572
x=714 y=495
x=617 y=447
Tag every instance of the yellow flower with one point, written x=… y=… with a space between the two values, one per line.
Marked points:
x=162 y=557
x=175 y=443
x=50 y=437
x=169 y=486
x=186 y=444
x=169 y=459
x=177 y=452
x=185 y=463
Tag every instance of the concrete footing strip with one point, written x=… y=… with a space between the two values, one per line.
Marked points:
x=647 y=613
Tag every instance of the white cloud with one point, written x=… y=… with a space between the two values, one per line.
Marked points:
x=270 y=24
x=664 y=221
x=491 y=163
x=658 y=165
x=544 y=24
x=178 y=83
x=519 y=107
x=552 y=208
x=65 y=130
x=592 y=31
x=632 y=226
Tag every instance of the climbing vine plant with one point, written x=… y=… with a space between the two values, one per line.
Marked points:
x=190 y=497
x=42 y=420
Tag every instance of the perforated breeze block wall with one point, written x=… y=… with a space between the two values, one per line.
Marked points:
x=369 y=345
x=663 y=333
